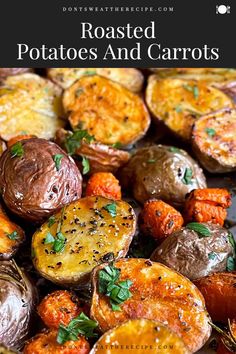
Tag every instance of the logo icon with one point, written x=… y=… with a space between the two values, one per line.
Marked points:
x=222 y=9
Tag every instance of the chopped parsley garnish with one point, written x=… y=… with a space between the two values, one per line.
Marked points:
x=51 y=221
x=212 y=255
x=201 y=229
x=194 y=89
x=86 y=165
x=80 y=325
x=178 y=109
x=116 y=145
x=231 y=240
x=151 y=161
x=117 y=291
x=17 y=150
x=78 y=92
x=57 y=159
x=89 y=72
x=188 y=174
x=174 y=149
x=13 y=236
x=231 y=264
x=210 y=131
x=111 y=208
x=73 y=141
x=58 y=242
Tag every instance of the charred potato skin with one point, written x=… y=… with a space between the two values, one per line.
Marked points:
x=153 y=299
x=190 y=254
x=108 y=111
x=102 y=158
x=143 y=333
x=18 y=290
x=173 y=102
x=163 y=177
x=216 y=153
x=93 y=236
x=30 y=103
x=31 y=185
x=8 y=246
x=130 y=78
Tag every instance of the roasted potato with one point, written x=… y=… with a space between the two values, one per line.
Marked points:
x=31 y=104
x=102 y=158
x=2 y=146
x=4 y=72
x=17 y=300
x=142 y=336
x=4 y=350
x=179 y=102
x=96 y=230
x=37 y=178
x=46 y=343
x=207 y=205
x=17 y=138
x=157 y=293
x=108 y=111
x=197 y=250
x=213 y=141
x=11 y=236
x=130 y=78
x=162 y=172
x=219 y=293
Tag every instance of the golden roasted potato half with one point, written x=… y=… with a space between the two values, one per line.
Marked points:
x=11 y=236
x=214 y=141
x=140 y=336
x=94 y=229
x=158 y=293
x=130 y=78
x=102 y=158
x=30 y=104
x=107 y=110
x=179 y=102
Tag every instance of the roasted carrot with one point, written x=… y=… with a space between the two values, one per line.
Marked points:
x=46 y=343
x=59 y=307
x=158 y=219
x=219 y=292
x=104 y=184
x=17 y=138
x=207 y=205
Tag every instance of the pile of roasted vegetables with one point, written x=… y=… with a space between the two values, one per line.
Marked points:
x=116 y=218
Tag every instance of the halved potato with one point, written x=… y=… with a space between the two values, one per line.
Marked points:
x=107 y=110
x=158 y=293
x=11 y=236
x=96 y=230
x=102 y=158
x=141 y=336
x=130 y=78
x=30 y=104
x=179 y=102
x=214 y=141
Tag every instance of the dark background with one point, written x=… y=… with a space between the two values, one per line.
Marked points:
x=192 y=24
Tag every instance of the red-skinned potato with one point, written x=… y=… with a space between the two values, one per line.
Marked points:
x=4 y=72
x=157 y=293
x=38 y=178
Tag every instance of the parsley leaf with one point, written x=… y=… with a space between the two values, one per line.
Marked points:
x=49 y=239
x=231 y=264
x=210 y=131
x=194 y=89
x=118 y=292
x=73 y=141
x=80 y=325
x=188 y=174
x=86 y=165
x=111 y=208
x=78 y=92
x=51 y=221
x=212 y=255
x=231 y=240
x=174 y=149
x=13 y=236
x=201 y=229
x=151 y=161
x=59 y=242
x=17 y=150
x=178 y=109
x=57 y=159
x=89 y=72
x=116 y=145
